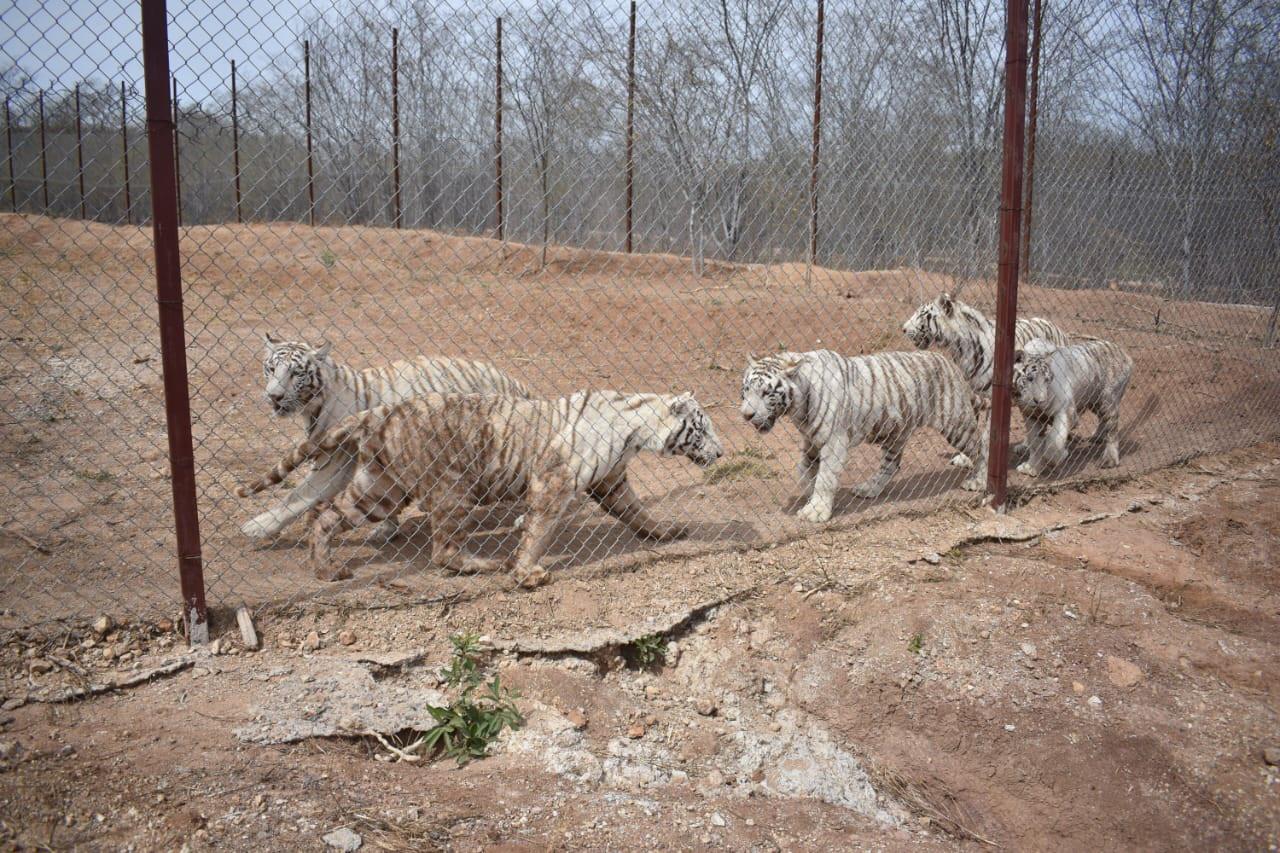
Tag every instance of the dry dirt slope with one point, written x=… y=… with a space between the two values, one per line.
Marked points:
x=82 y=468
x=1110 y=681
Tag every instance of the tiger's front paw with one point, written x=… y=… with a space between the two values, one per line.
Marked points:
x=530 y=577
x=815 y=512
x=261 y=527
x=869 y=489
x=961 y=460
x=383 y=534
x=974 y=484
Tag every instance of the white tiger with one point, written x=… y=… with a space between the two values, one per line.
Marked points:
x=1052 y=385
x=306 y=380
x=970 y=338
x=453 y=452
x=839 y=402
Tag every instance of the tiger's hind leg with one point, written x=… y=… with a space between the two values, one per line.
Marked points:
x=548 y=495
x=453 y=515
x=968 y=435
x=328 y=522
x=619 y=500
x=1108 y=432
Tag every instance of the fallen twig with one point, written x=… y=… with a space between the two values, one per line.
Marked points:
x=117 y=683
x=19 y=535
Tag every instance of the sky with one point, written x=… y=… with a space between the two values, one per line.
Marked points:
x=62 y=43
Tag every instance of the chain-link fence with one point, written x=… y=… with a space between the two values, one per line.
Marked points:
x=600 y=196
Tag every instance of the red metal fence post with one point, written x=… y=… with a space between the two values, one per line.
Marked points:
x=395 y=124
x=124 y=142
x=8 y=138
x=1015 y=92
x=817 y=136
x=631 y=100
x=497 y=136
x=173 y=353
x=311 y=174
x=1031 y=139
x=235 y=140
x=80 y=153
x=44 y=159
x=177 y=158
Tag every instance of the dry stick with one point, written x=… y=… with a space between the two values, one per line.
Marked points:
x=32 y=543
x=631 y=98
x=44 y=158
x=80 y=153
x=311 y=175
x=497 y=133
x=124 y=142
x=177 y=160
x=8 y=137
x=1031 y=139
x=235 y=140
x=395 y=124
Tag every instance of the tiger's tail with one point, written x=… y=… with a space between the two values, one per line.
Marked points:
x=355 y=427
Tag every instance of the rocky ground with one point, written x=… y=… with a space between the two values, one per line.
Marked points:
x=1098 y=669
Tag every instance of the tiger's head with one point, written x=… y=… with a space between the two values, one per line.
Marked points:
x=769 y=389
x=933 y=322
x=293 y=374
x=691 y=434
x=1033 y=373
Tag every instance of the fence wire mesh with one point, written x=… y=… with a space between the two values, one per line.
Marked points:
x=528 y=187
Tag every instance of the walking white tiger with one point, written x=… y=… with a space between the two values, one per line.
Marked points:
x=969 y=336
x=839 y=402
x=453 y=452
x=306 y=380
x=1052 y=385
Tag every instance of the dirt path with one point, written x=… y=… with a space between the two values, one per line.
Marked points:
x=1099 y=670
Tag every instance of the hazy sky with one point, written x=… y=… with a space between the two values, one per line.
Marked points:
x=61 y=43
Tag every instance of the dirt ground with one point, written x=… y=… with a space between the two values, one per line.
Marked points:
x=86 y=525
x=1099 y=669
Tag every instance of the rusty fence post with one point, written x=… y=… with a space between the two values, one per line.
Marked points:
x=235 y=141
x=817 y=135
x=497 y=135
x=44 y=159
x=1028 y=209
x=124 y=143
x=177 y=155
x=8 y=139
x=80 y=153
x=631 y=100
x=164 y=223
x=395 y=124
x=1015 y=93
x=311 y=174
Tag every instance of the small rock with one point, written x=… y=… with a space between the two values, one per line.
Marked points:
x=715 y=778
x=40 y=665
x=8 y=749
x=577 y=719
x=10 y=704
x=933 y=558
x=102 y=625
x=717 y=819
x=750 y=822
x=164 y=626
x=635 y=730
x=651 y=720
x=1271 y=755
x=1077 y=688
x=706 y=706
x=1122 y=673
x=1028 y=649
x=1008 y=727
x=216 y=647
x=199 y=672
x=1095 y=701
x=347 y=638
x=343 y=839
x=673 y=653
x=311 y=643
x=651 y=691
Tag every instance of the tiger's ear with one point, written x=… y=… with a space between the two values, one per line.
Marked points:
x=682 y=403
x=322 y=351
x=752 y=358
x=947 y=304
x=270 y=341
x=792 y=364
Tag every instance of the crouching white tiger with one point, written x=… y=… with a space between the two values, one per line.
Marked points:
x=1052 y=385
x=839 y=402
x=456 y=452
x=306 y=380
